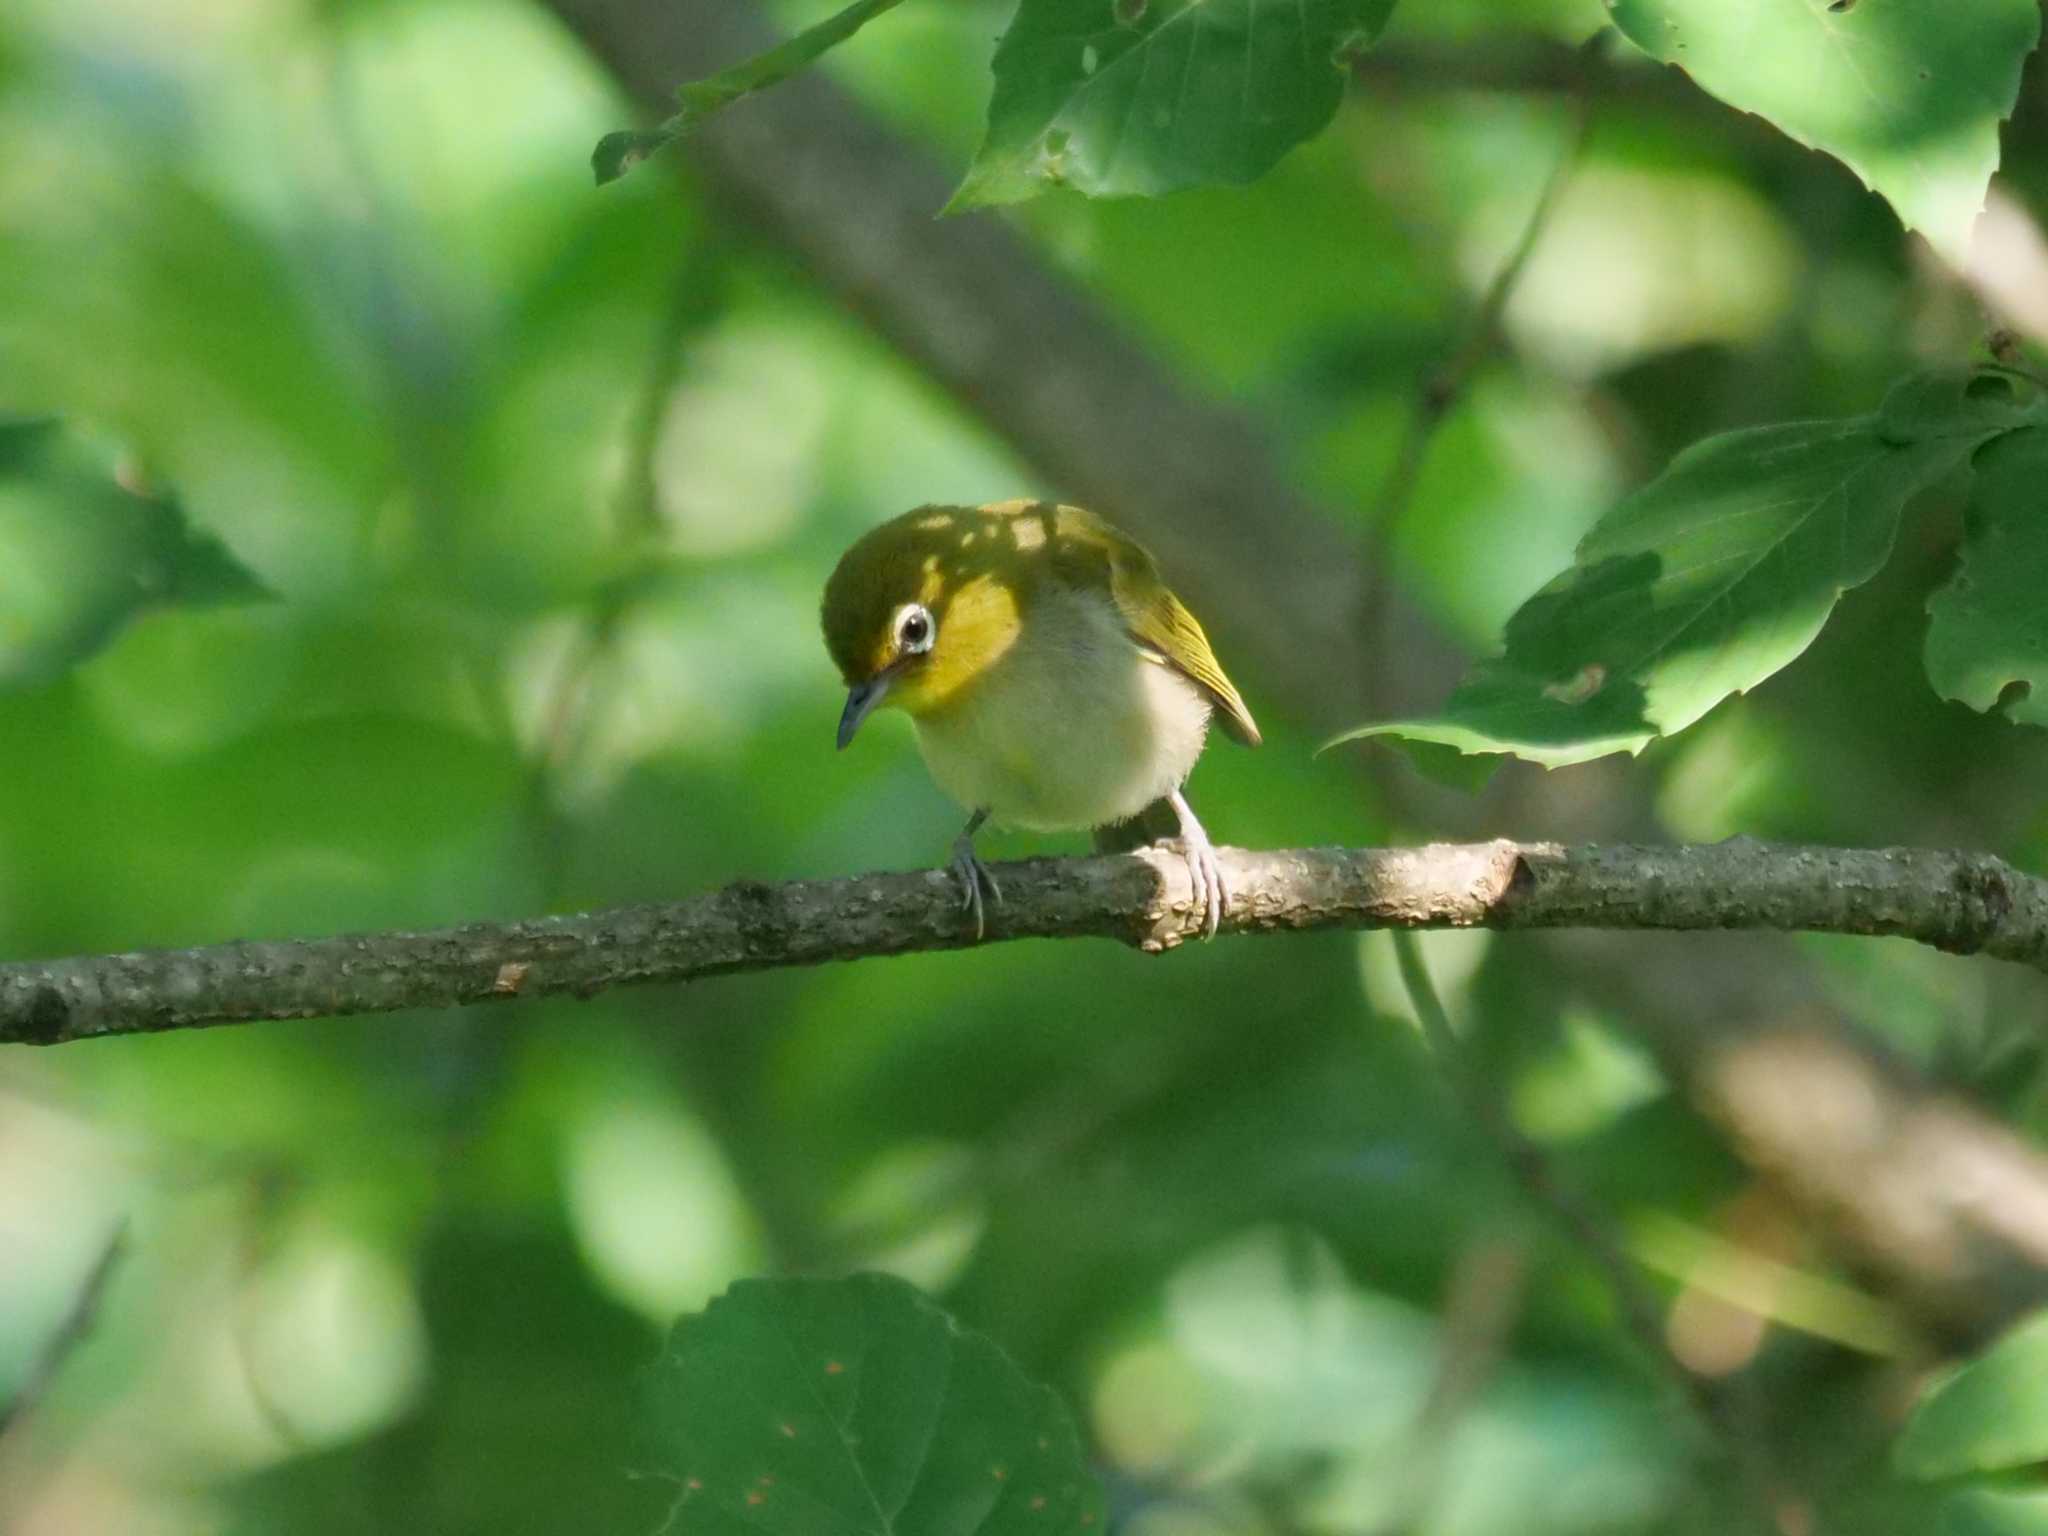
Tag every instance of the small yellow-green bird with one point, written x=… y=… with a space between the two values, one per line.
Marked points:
x=1054 y=680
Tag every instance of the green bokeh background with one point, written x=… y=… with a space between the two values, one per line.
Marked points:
x=544 y=483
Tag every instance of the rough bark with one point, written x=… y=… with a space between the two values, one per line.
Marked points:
x=1967 y=903
x=1048 y=369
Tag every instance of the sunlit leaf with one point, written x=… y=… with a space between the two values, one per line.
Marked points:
x=1990 y=1415
x=1995 y=1512
x=1122 y=97
x=1708 y=580
x=857 y=1407
x=81 y=553
x=1907 y=93
x=1987 y=641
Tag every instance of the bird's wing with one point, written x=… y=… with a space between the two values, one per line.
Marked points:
x=1167 y=632
x=1165 y=629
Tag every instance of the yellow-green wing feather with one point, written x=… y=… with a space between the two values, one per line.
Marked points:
x=1162 y=625
x=1087 y=550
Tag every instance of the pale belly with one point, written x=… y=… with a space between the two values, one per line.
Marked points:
x=1072 y=730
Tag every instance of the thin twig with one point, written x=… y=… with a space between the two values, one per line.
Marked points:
x=700 y=100
x=1588 y=1227
x=1437 y=393
x=1526 y=1161
x=572 y=701
x=696 y=300
x=1443 y=387
x=71 y=1332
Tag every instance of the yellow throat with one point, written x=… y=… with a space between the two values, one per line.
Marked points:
x=1054 y=678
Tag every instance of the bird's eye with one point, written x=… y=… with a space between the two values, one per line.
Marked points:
x=914 y=629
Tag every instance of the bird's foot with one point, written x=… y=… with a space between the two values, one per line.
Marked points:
x=974 y=878
x=1203 y=870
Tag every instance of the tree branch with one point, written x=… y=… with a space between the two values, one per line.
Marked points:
x=980 y=313
x=976 y=309
x=1967 y=903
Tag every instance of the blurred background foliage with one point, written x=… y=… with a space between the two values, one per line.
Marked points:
x=539 y=486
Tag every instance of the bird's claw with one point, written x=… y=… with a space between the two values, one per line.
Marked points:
x=1207 y=876
x=974 y=877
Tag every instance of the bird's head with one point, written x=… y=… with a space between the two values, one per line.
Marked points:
x=923 y=605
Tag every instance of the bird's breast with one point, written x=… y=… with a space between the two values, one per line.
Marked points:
x=1073 y=727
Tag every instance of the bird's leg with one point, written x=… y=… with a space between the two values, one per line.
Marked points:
x=973 y=875
x=1202 y=867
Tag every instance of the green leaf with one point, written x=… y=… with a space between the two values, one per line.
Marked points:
x=1449 y=766
x=1907 y=93
x=1142 y=97
x=201 y=572
x=1970 y=404
x=81 y=554
x=1987 y=639
x=617 y=153
x=24 y=440
x=1707 y=580
x=1995 y=1512
x=858 y=1408
x=1990 y=1415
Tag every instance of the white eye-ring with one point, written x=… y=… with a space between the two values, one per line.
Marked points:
x=915 y=629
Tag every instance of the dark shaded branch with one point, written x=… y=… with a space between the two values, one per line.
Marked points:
x=983 y=315
x=1961 y=902
x=1948 y=1207
x=979 y=312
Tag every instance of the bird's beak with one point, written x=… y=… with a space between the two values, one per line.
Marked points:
x=861 y=698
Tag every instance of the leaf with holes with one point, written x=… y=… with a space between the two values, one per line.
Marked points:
x=1975 y=404
x=857 y=1407
x=1712 y=577
x=1987 y=637
x=1989 y=1416
x=1141 y=97
x=1907 y=93
x=81 y=553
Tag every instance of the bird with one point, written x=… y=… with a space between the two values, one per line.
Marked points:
x=1054 y=681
